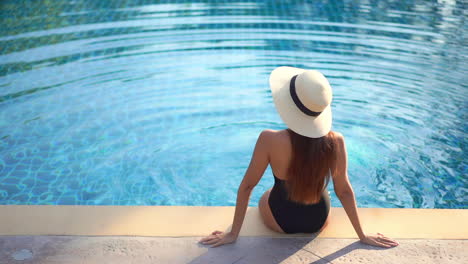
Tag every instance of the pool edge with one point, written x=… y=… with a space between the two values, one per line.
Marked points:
x=180 y=221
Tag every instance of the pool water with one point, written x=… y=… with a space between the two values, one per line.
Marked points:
x=136 y=103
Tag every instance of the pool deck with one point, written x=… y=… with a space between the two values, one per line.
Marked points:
x=169 y=234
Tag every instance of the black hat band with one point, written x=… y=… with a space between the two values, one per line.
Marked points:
x=299 y=104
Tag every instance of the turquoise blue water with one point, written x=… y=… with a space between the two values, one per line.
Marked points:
x=137 y=103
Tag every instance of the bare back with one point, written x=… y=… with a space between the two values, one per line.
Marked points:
x=281 y=152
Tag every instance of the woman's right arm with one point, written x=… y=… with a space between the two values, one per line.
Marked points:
x=345 y=193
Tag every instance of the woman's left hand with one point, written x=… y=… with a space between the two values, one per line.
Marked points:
x=218 y=238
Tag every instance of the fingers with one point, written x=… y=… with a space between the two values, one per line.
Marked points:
x=215 y=237
x=385 y=242
x=211 y=237
x=380 y=241
x=388 y=240
x=218 y=238
x=204 y=239
x=217 y=244
x=210 y=241
x=375 y=242
x=214 y=234
x=382 y=245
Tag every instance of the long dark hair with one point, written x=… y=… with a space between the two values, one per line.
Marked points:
x=312 y=158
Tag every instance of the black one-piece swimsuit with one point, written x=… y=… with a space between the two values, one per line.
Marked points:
x=294 y=217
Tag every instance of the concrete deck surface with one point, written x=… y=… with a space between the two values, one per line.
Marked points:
x=255 y=250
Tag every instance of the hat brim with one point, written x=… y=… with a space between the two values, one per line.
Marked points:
x=294 y=118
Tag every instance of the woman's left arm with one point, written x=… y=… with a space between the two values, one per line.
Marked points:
x=258 y=164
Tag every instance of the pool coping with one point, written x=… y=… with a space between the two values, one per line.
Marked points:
x=181 y=221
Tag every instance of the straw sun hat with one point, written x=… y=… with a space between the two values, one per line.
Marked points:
x=302 y=99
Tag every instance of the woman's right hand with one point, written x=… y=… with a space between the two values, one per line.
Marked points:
x=379 y=240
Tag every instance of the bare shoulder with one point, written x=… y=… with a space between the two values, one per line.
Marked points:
x=274 y=135
x=275 y=139
x=339 y=137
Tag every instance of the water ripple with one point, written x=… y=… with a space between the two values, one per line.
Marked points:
x=110 y=103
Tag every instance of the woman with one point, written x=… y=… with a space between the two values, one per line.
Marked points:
x=302 y=158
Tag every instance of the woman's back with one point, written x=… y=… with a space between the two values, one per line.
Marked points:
x=320 y=154
x=293 y=217
x=280 y=153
